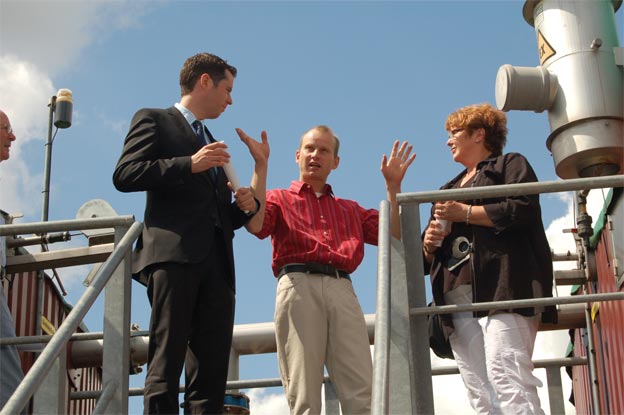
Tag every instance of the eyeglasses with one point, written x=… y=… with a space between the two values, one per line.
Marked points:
x=455 y=131
x=8 y=128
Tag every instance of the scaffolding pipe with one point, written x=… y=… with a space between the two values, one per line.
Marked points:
x=277 y=382
x=66 y=225
x=380 y=396
x=518 y=189
x=410 y=204
x=40 y=368
x=510 y=304
x=105 y=397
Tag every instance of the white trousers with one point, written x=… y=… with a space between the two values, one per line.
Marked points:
x=318 y=322
x=493 y=354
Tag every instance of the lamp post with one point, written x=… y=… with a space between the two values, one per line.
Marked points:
x=60 y=114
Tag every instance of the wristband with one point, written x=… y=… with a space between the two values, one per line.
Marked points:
x=250 y=214
x=468 y=212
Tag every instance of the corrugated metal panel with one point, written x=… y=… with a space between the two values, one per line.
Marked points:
x=21 y=290
x=608 y=326
x=611 y=322
x=580 y=385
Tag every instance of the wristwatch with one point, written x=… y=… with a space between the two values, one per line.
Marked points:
x=250 y=214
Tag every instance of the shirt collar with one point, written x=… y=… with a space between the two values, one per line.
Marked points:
x=297 y=186
x=186 y=113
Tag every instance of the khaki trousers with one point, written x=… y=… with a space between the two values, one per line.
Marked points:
x=319 y=322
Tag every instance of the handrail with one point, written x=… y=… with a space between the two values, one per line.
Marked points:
x=42 y=365
x=512 y=304
x=66 y=225
x=517 y=189
x=382 y=392
x=409 y=204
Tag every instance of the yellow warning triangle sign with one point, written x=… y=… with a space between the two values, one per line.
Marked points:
x=543 y=47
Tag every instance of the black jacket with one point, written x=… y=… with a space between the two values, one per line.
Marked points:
x=511 y=260
x=181 y=208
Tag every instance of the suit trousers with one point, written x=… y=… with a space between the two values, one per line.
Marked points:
x=318 y=322
x=493 y=354
x=191 y=325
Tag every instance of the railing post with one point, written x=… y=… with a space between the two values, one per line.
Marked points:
x=332 y=405
x=116 y=350
x=234 y=366
x=51 y=397
x=555 y=390
x=421 y=382
x=380 y=397
x=400 y=392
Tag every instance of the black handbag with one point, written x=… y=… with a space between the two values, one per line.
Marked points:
x=438 y=342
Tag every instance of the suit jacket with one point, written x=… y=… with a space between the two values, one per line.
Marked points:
x=182 y=208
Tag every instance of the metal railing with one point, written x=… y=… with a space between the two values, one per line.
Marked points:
x=400 y=332
x=115 y=276
x=259 y=338
x=411 y=389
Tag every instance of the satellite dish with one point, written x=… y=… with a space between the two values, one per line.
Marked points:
x=97 y=208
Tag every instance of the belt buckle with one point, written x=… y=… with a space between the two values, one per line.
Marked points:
x=331 y=271
x=315 y=268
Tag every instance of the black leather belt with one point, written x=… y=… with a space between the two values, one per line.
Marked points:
x=314 y=268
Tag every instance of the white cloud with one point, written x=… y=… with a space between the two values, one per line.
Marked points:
x=559 y=237
x=38 y=40
x=25 y=92
x=67 y=28
x=263 y=403
x=18 y=188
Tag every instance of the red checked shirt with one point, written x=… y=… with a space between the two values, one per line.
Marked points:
x=325 y=229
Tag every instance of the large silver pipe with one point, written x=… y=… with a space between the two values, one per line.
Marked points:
x=257 y=338
x=579 y=82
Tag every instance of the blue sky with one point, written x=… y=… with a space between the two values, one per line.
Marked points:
x=374 y=71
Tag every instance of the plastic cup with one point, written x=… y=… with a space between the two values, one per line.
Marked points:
x=442 y=224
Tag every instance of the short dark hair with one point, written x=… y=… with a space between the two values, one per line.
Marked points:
x=197 y=65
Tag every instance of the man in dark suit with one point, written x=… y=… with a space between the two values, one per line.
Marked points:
x=184 y=254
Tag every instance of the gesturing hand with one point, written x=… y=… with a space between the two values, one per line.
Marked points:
x=259 y=149
x=394 y=168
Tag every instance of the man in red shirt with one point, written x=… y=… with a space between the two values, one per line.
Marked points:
x=318 y=240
